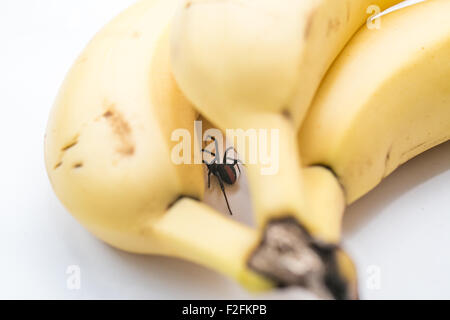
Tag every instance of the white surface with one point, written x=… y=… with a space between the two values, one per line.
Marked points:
x=402 y=227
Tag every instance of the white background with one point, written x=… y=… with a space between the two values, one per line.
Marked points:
x=402 y=228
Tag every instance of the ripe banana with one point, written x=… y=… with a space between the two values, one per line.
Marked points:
x=385 y=100
x=254 y=65
x=251 y=65
x=108 y=151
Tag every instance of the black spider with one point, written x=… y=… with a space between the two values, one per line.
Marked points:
x=224 y=172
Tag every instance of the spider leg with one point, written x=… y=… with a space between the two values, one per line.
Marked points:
x=226 y=151
x=208 y=164
x=209 y=179
x=209 y=152
x=239 y=168
x=216 y=145
x=225 y=158
x=231 y=148
x=235 y=163
x=222 y=187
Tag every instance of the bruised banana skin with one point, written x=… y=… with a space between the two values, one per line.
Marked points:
x=256 y=65
x=385 y=100
x=108 y=151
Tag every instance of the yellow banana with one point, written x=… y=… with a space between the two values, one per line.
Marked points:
x=108 y=156
x=385 y=99
x=251 y=65
x=254 y=65
x=108 y=151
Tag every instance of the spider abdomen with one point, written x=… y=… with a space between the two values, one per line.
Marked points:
x=227 y=173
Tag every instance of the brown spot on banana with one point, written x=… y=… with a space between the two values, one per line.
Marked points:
x=333 y=26
x=121 y=129
x=309 y=24
x=78 y=165
x=287 y=114
x=71 y=144
x=386 y=162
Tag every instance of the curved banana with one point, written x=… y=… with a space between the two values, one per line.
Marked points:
x=385 y=100
x=108 y=151
x=256 y=65
x=251 y=65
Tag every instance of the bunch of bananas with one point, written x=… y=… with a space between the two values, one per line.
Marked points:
x=350 y=104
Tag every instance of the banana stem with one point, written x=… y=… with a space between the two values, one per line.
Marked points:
x=193 y=231
x=299 y=210
x=313 y=195
x=278 y=192
x=326 y=203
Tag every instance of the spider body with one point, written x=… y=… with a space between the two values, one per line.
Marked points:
x=226 y=172
x=222 y=169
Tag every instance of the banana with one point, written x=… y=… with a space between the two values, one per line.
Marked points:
x=108 y=151
x=256 y=65
x=385 y=100
x=251 y=65
x=108 y=157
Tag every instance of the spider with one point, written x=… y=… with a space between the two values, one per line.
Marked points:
x=224 y=171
